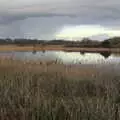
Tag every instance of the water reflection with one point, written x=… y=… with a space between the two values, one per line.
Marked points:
x=82 y=53
x=105 y=54
x=66 y=57
x=43 y=51
x=34 y=51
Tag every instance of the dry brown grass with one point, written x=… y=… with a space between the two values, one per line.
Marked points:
x=56 y=48
x=49 y=67
x=38 y=91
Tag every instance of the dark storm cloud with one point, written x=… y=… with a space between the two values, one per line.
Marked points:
x=88 y=9
x=8 y=19
x=23 y=18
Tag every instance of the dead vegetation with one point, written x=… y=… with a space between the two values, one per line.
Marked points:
x=31 y=91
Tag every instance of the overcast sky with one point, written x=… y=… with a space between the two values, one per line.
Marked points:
x=49 y=19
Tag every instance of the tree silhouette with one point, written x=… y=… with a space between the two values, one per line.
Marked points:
x=106 y=44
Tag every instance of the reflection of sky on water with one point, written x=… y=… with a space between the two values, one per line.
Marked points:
x=76 y=57
x=35 y=56
x=114 y=59
x=66 y=57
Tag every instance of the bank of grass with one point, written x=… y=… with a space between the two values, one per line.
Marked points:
x=57 y=48
x=33 y=92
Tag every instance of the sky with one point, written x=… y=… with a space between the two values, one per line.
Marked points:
x=59 y=19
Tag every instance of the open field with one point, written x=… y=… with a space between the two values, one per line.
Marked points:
x=55 y=47
x=53 y=91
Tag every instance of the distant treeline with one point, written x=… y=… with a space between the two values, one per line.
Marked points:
x=86 y=42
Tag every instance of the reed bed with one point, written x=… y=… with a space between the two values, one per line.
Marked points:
x=32 y=91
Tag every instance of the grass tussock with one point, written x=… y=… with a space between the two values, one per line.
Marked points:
x=30 y=92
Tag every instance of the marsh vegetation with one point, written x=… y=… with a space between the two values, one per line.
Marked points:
x=37 y=91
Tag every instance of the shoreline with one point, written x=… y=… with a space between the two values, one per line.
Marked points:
x=56 y=48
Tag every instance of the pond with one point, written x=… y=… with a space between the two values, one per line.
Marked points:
x=66 y=57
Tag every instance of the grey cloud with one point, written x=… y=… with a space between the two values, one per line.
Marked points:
x=39 y=27
x=35 y=27
x=43 y=27
x=42 y=19
x=88 y=9
x=8 y=19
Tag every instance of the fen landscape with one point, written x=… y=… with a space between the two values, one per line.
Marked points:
x=37 y=83
x=59 y=59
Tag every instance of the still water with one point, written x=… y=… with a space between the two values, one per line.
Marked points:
x=66 y=57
